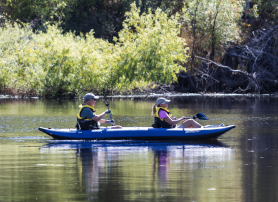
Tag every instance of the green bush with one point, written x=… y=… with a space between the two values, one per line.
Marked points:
x=52 y=63
x=150 y=49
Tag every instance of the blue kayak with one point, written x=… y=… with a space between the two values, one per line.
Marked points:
x=139 y=133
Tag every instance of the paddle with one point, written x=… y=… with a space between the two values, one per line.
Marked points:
x=200 y=116
x=107 y=104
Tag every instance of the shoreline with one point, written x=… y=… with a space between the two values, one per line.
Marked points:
x=191 y=95
x=154 y=95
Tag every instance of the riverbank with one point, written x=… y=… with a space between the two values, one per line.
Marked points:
x=154 y=95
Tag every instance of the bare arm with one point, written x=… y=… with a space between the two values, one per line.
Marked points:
x=99 y=117
x=173 y=122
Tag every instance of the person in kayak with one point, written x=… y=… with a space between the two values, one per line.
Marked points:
x=86 y=117
x=164 y=119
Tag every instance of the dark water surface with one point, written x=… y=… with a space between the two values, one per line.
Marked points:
x=240 y=166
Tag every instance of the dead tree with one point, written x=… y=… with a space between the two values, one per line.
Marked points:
x=256 y=60
x=251 y=77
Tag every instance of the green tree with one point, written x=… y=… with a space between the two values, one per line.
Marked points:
x=267 y=9
x=53 y=63
x=150 y=49
x=27 y=10
x=105 y=17
x=215 y=20
x=79 y=16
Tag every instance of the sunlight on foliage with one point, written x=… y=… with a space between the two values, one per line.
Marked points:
x=215 y=20
x=148 y=50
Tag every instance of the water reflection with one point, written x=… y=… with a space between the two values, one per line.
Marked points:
x=129 y=169
x=33 y=166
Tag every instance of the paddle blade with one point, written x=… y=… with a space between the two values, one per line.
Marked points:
x=201 y=116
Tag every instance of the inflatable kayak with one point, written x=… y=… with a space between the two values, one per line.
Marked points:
x=139 y=133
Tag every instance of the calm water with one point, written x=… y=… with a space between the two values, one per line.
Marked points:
x=241 y=166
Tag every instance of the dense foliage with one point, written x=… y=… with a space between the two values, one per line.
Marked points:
x=66 y=46
x=149 y=46
x=105 y=17
x=216 y=21
x=266 y=9
x=148 y=50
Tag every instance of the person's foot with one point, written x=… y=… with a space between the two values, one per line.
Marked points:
x=209 y=126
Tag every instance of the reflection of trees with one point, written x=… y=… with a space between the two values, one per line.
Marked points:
x=97 y=174
x=88 y=161
x=161 y=166
x=259 y=160
x=122 y=172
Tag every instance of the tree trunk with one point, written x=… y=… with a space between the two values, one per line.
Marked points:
x=143 y=6
x=194 y=35
x=213 y=40
x=247 y=5
x=137 y=3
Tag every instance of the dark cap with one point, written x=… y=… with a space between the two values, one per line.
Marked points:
x=89 y=96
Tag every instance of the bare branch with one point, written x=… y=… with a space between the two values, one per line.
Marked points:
x=204 y=74
x=264 y=36
x=219 y=65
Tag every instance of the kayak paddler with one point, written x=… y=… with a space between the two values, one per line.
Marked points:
x=86 y=117
x=164 y=119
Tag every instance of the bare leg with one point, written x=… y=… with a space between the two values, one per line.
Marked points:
x=116 y=127
x=190 y=123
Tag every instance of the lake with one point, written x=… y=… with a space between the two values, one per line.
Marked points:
x=240 y=166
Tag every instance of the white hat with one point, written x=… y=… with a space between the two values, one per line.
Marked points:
x=89 y=96
x=161 y=100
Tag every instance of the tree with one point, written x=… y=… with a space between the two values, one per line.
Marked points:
x=53 y=63
x=191 y=10
x=105 y=17
x=267 y=9
x=150 y=49
x=215 y=20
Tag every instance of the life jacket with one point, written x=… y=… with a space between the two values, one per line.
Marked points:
x=160 y=123
x=84 y=123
